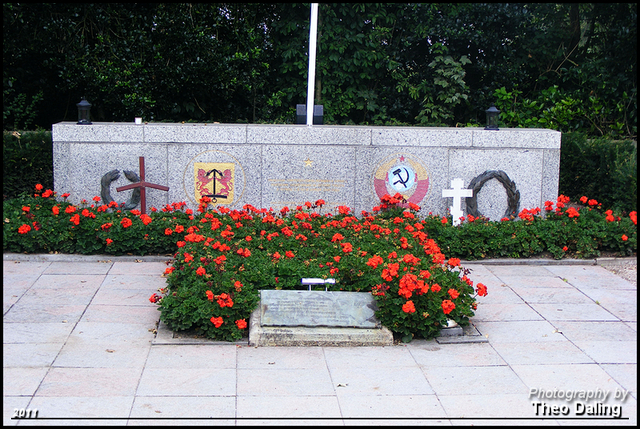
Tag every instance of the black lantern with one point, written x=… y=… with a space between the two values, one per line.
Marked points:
x=492 y=118
x=83 y=112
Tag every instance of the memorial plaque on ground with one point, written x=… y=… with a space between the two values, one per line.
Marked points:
x=317 y=308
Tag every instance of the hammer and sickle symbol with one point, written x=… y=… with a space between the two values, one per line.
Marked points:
x=114 y=175
x=401 y=180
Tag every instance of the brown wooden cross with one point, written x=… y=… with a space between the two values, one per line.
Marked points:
x=142 y=184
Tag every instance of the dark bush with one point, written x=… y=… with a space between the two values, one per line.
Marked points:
x=27 y=159
x=603 y=169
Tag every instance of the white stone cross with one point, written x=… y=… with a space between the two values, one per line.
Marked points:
x=457 y=193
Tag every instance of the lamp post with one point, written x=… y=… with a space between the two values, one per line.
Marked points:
x=83 y=112
x=492 y=118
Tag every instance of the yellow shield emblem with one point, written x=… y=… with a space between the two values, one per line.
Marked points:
x=214 y=180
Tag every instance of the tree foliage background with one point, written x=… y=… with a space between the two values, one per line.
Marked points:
x=570 y=67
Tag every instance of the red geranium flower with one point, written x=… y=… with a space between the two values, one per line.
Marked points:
x=448 y=306
x=481 y=289
x=409 y=307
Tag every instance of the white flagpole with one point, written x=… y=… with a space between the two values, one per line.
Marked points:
x=313 y=29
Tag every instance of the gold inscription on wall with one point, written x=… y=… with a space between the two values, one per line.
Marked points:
x=307 y=185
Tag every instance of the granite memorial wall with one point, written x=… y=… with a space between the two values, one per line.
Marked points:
x=272 y=166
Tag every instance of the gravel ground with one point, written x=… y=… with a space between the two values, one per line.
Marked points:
x=626 y=268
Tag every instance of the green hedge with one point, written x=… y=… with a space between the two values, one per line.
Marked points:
x=601 y=169
x=27 y=159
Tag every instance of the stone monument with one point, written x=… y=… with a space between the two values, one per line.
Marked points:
x=272 y=166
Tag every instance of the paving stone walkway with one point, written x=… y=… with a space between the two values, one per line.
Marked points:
x=79 y=332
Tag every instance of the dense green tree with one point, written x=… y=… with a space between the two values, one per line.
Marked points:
x=561 y=66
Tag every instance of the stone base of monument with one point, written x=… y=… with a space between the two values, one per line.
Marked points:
x=460 y=335
x=316 y=318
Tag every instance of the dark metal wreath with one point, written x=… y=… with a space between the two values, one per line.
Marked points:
x=105 y=191
x=513 y=195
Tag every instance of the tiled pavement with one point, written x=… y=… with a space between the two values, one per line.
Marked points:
x=78 y=344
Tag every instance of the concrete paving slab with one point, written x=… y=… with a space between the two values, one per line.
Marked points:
x=591 y=277
x=94 y=382
x=284 y=382
x=77 y=269
x=124 y=297
x=62 y=296
x=500 y=294
x=35 y=332
x=403 y=381
x=429 y=354
x=179 y=381
x=610 y=351
x=101 y=356
x=282 y=357
x=110 y=333
x=520 y=331
x=541 y=352
x=19 y=282
x=564 y=376
x=153 y=269
x=22 y=381
x=530 y=282
x=10 y=406
x=44 y=313
x=268 y=384
x=477 y=268
x=209 y=357
x=596 y=331
x=156 y=407
x=543 y=295
x=134 y=281
x=487 y=405
x=75 y=282
x=473 y=380
x=626 y=373
x=9 y=298
x=520 y=270
x=29 y=354
x=326 y=408
x=621 y=303
x=366 y=357
x=77 y=406
x=143 y=314
x=23 y=267
x=505 y=312
x=567 y=311
x=411 y=409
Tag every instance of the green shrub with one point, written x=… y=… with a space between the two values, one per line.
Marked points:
x=223 y=257
x=27 y=158
x=603 y=169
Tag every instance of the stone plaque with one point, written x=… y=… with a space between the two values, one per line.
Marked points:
x=317 y=308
